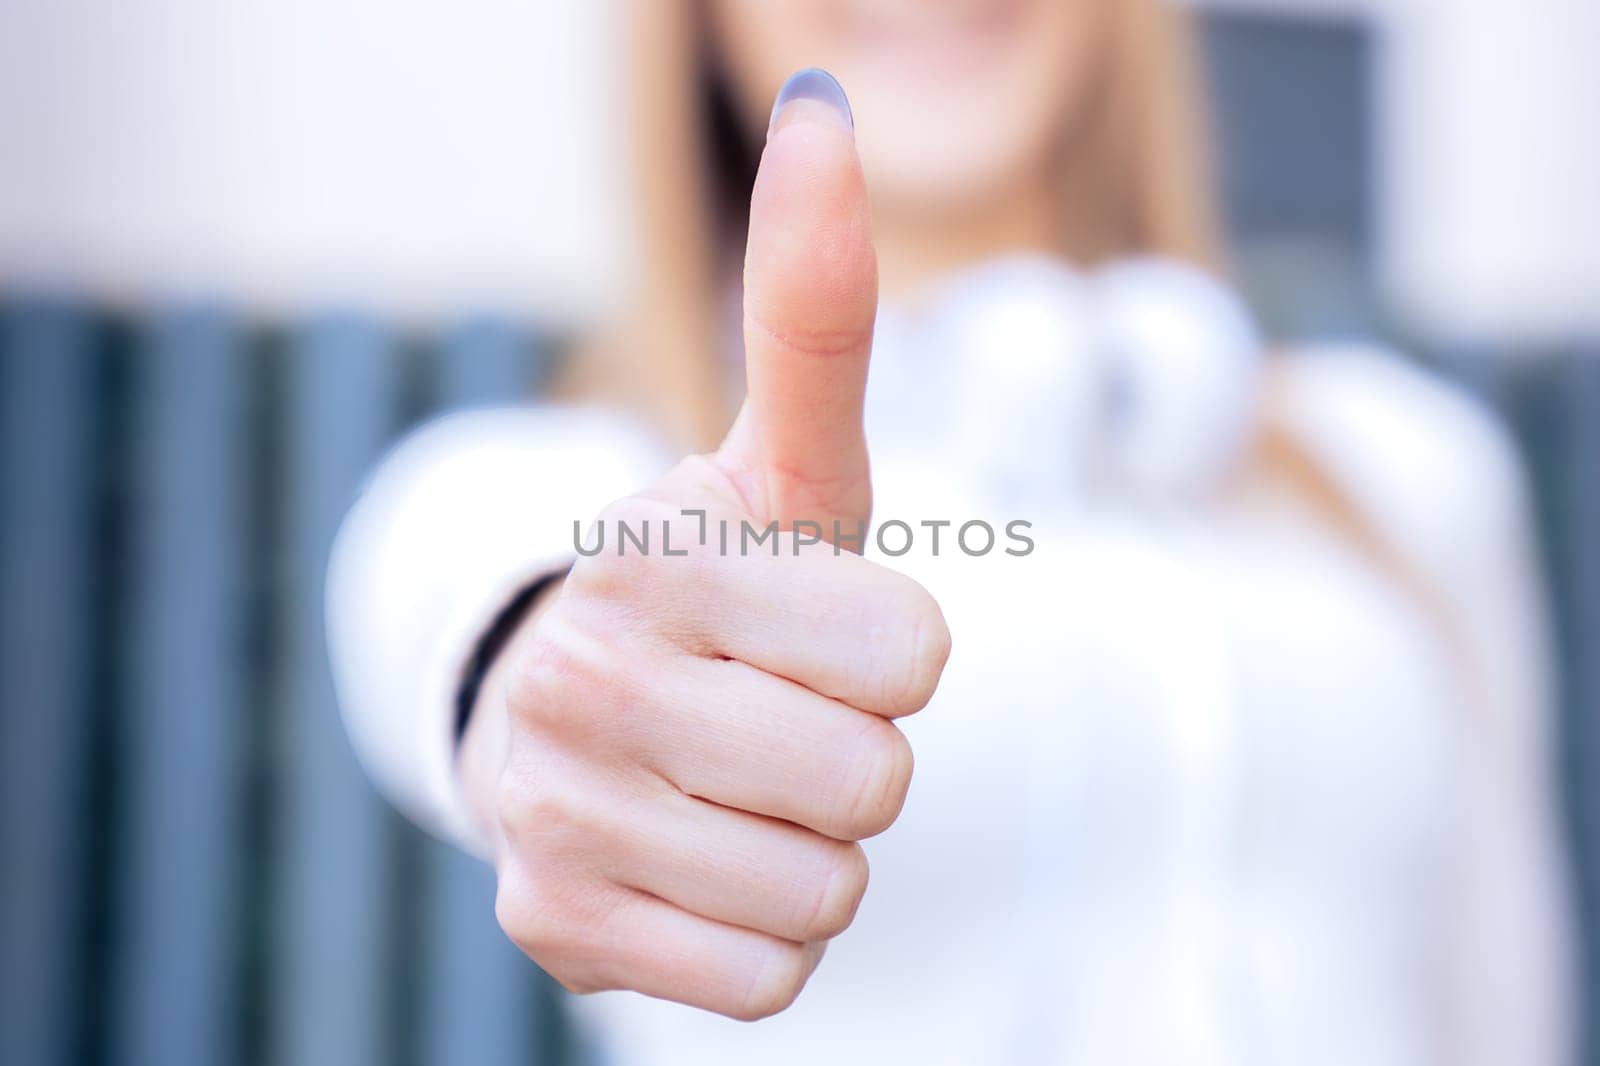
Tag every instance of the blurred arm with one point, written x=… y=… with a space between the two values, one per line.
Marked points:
x=1438 y=480
x=459 y=518
x=1511 y=931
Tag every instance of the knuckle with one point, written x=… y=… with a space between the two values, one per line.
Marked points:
x=541 y=814
x=778 y=980
x=880 y=780
x=623 y=547
x=834 y=902
x=915 y=656
x=547 y=674
x=525 y=809
x=527 y=912
x=576 y=685
x=557 y=918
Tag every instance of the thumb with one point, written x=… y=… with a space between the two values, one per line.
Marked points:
x=797 y=450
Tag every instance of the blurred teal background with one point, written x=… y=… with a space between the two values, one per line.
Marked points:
x=195 y=871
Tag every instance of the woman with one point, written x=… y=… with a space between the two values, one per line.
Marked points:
x=1238 y=746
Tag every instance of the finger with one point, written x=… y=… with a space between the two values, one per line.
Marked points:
x=810 y=297
x=743 y=869
x=745 y=739
x=834 y=622
x=841 y=626
x=629 y=939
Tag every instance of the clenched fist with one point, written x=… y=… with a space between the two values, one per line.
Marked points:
x=678 y=753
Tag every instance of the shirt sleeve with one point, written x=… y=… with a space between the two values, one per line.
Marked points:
x=459 y=517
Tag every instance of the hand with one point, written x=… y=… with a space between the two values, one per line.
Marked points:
x=690 y=747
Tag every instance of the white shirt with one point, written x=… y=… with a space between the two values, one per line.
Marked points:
x=1201 y=784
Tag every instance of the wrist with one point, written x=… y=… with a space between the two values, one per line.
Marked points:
x=482 y=726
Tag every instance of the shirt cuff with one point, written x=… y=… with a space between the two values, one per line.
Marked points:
x=463 y=514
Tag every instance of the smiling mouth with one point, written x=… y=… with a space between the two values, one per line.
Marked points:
x=939 y=42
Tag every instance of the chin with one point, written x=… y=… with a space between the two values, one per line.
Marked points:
x=949 y=157
x=934 y=180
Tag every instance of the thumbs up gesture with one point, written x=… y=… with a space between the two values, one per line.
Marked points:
x=696 y=735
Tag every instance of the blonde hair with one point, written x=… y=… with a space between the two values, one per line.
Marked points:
x=1140 y=184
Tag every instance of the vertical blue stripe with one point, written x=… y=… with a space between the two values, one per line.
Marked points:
x=46 y=512
x=332 y=972
x=177 y=978
x=485 y=361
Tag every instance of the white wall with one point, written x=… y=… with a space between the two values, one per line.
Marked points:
x=1490 y=188
x=434 y=156
x=1488 y=154
x=393 y=153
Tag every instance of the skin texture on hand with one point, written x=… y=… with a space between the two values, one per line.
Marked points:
x=677 y=755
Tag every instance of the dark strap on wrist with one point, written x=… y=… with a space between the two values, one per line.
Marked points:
x=492 y=643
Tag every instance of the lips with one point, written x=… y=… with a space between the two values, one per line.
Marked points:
x=932 y=42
